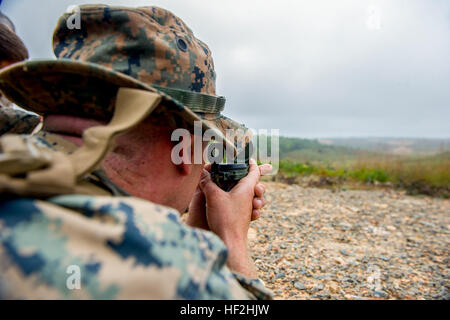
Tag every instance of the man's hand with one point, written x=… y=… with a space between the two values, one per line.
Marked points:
x=197 y=207
x=228 y=214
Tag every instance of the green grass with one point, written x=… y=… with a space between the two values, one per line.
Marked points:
x=362 y=174
x=418 y=173
x=424 y=175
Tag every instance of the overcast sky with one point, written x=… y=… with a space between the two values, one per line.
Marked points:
x=313 y=68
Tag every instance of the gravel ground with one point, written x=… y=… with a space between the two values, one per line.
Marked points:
x=322 y=244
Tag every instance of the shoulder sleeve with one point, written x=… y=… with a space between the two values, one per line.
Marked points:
x=85 y=247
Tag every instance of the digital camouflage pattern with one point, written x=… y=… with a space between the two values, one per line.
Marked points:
x=150 y=44
x=125 y=248
x=121 y=47
x=15 y=121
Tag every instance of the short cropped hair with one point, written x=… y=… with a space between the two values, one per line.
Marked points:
x=11 y=46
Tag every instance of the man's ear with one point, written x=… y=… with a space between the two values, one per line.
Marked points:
x=185 y=168
x=186 y=154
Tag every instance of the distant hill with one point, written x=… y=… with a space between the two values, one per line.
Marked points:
x=398 y=146
x=413 y=164
x=344 y=152
x=312 y=150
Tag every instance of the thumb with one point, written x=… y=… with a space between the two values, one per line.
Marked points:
x=206 y=184
x=197 y=204
x=253 y=175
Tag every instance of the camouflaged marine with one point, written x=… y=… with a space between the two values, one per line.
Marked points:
x=67 y=231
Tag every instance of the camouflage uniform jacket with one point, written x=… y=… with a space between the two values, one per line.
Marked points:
x=119 y=248
x=14 y=120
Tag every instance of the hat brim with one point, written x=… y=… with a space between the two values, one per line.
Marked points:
x=66 y=86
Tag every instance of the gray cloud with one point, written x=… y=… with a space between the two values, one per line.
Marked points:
x=310 y=68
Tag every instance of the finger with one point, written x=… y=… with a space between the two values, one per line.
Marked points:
x=207 y=167
x=258 y=203
x=265 y=169
x=207 y=185
x=255 y=215
x=259 y=190
x=197 y=211
x=253 y=175
x=197 y=203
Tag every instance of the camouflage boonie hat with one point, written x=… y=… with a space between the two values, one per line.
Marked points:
x=145 y=48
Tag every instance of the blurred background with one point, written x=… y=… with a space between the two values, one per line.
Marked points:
x=360 y=89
